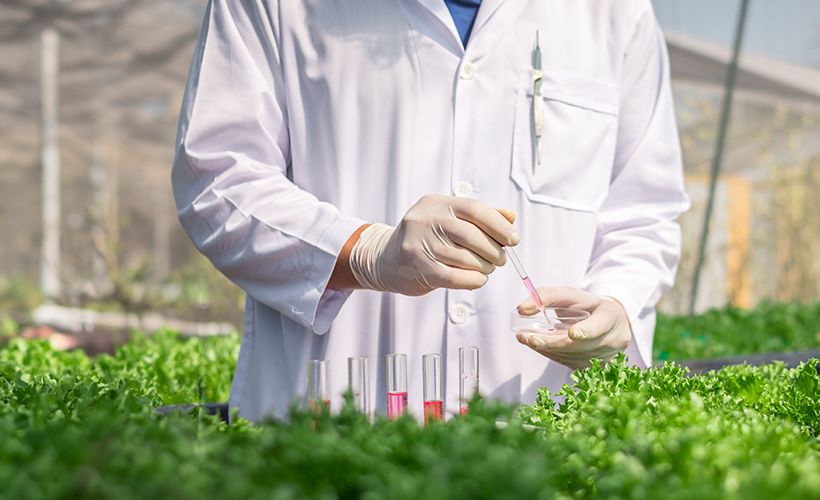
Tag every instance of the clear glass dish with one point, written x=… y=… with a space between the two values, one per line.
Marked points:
x=557 y=321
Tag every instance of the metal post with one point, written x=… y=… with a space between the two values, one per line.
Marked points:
x=50 y=256
x=716 y=163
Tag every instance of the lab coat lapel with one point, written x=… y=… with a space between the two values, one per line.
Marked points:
x=493 y=20
x=439 y=9
x=485 y=12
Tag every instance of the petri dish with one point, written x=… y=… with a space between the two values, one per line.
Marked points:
x=557 y=322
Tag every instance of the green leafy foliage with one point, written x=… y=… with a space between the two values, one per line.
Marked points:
x=728 y=332
x=74 y=427
x=742 y=432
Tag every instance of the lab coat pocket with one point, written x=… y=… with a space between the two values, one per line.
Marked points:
x=579 y=132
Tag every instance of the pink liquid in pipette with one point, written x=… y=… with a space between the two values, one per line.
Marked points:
x=534 y=294
x=433 y=410
x=396 y=404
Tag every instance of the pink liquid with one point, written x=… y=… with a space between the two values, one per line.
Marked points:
x=433 y=410
x=533 y=293
x=462 y=411
x=396 y=404
x=319 y=407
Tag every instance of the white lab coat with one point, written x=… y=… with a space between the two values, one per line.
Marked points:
x=304 y=119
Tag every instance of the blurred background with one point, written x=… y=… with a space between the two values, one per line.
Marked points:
x=90 y=92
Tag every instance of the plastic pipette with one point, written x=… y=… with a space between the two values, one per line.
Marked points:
x=526 y=279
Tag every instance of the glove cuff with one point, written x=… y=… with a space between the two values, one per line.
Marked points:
x=366 y=256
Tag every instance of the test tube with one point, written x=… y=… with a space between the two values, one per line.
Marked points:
x=319 y=385
x=468 y=376
x=433 y=403
x=358 y=378
x=396 y=385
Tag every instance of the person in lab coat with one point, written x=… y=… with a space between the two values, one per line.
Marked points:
x=354 y=167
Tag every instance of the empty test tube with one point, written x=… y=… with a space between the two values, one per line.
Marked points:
x=396 y=385
x=468 y=376
x=319 y=385
x=433 y=401
x=358 y=378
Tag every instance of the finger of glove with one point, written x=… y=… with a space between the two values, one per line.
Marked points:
x=574 y=363
x=560 y=296
x=603 y=319
x=562 y=343
x=487 y=219
x=461 y=258
x=572 y=350
x=436 y=248
x=527 y=308
x=567 y=296
x=507 y=213
x=458 y=279
x=469 y=236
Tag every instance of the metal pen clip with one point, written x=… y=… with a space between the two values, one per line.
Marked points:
x=537 y=99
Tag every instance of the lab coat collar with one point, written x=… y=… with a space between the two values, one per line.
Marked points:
x=485 y=12
x=439 y=9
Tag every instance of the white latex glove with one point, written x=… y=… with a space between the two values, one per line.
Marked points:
x=441 y=242
x=603 y=334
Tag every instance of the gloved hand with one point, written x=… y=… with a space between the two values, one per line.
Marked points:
x=441 y=242
x=603 y=334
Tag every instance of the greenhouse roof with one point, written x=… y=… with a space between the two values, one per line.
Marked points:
x=698 y=61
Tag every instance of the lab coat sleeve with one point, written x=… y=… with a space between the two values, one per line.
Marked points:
x=234 y=199
x=638 y=239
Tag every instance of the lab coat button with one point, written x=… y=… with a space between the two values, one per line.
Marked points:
x=459 y=314
x=463 y=189
x=467 y=71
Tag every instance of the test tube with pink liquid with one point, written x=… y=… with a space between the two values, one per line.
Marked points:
x=433 y=390
x=396 y=385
